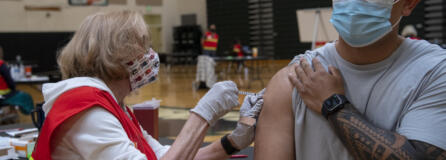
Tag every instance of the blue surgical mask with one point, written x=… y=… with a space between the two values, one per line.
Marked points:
x=360 y=22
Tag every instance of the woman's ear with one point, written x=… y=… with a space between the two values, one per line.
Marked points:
x=409 y=5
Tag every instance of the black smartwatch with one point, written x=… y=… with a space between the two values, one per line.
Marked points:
x=333 y=104
x=227 y=146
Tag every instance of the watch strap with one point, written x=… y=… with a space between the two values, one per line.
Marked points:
x=227 y=146
x=324 y=111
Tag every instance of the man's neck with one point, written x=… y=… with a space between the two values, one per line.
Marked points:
x=369 y=54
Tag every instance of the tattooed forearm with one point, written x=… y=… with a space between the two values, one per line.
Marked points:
x=429 y=151
x=366 y=141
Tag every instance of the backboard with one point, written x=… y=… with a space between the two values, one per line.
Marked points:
x=306 y=19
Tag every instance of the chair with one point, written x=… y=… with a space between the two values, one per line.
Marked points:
x=38 y=116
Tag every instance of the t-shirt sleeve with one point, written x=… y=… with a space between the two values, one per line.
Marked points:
x=425 y=119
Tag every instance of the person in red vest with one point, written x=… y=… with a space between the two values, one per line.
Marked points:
x=9 y=96
x=210 y=41
x=7 y=85
x=86 y=118
x=237 y=51
x=237 y=48
x=7 y=90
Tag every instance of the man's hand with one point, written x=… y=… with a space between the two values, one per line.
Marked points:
x=315 y=86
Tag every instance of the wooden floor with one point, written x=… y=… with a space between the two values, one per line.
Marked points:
x=175 y=90
x=174 y=86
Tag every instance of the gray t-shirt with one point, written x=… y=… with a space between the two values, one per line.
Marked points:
x=405 y=93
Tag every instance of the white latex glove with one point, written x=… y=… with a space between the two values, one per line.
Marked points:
x=218 y=101
x=243 y=135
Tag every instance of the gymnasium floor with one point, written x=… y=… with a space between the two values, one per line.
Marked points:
x=175 y=90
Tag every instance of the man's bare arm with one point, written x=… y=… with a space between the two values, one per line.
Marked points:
x=366 y=141
x=275 y=127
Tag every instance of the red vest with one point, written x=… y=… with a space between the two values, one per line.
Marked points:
x=210 y=41
x=238 y=50
x=3 y=85
x=77 y=100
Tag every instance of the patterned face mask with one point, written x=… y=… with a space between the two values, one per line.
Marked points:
x=143 y=70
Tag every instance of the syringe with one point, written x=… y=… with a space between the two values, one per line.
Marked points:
x=245 y=93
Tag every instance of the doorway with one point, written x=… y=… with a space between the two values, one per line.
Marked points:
x=155 y=30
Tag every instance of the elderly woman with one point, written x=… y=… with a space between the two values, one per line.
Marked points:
x=107 y=58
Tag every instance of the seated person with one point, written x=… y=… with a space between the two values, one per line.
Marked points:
x=237 y=48
x=8 y=114
x=9 y=95
x=7 y=85
x=237 y=51
x=396 y=90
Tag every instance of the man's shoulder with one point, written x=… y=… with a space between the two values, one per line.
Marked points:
x=325 y=51
x=279 y=86
x=423 y=47
x=421 y=53
x=280 y=80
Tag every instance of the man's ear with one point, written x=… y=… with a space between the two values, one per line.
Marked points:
x=409 y=5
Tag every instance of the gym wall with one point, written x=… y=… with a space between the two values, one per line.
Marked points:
x=231 y=17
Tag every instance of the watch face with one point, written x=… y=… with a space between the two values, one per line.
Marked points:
x=333 y=103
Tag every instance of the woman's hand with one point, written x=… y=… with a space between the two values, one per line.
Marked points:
x=218 y=101
x=243 y=135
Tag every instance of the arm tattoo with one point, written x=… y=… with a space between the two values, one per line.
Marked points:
x=428 y=151
x=366 y=141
